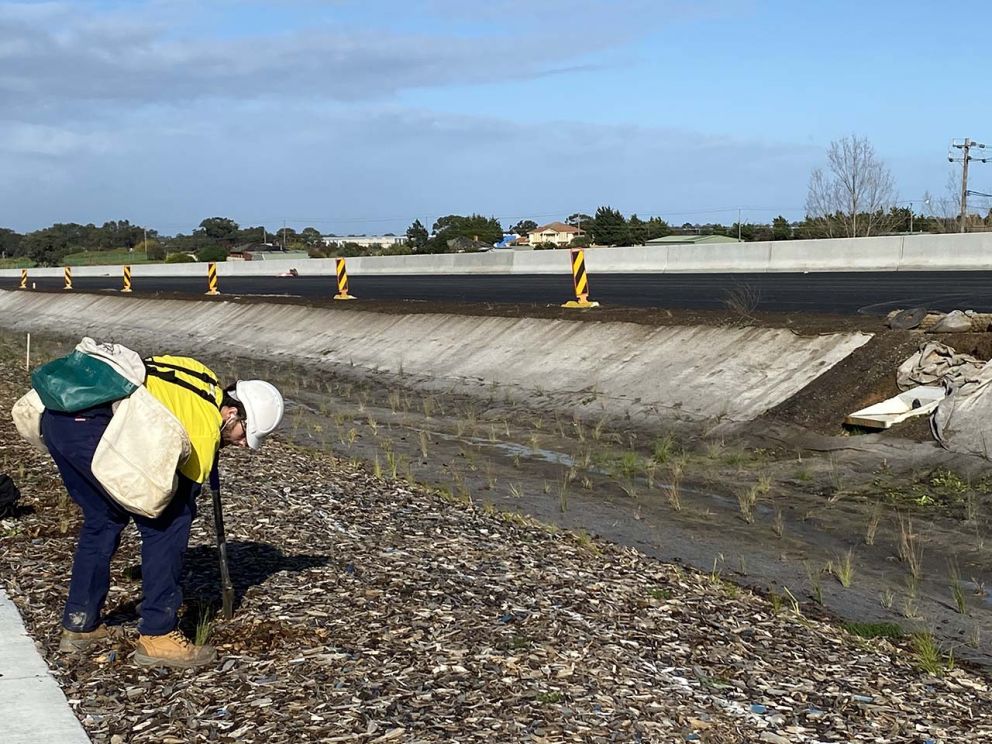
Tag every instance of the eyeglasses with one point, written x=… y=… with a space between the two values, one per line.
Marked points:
x=230 y=433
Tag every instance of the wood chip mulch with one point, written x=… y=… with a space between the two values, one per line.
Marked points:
x=374 y=611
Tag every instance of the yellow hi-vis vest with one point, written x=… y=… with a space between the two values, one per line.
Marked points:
x=191 y=391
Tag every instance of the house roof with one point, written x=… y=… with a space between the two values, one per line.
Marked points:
x=691 y=239
x=556 y=227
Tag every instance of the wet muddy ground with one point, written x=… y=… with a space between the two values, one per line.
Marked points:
x=893 y=531
x=869 y=529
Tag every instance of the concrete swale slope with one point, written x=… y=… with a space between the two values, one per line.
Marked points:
x=695 y=373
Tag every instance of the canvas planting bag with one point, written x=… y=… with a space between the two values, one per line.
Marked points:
x=144 y=443
x=137 y=457
x=27 y=419
x=92 y=375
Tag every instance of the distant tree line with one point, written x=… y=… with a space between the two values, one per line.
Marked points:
x=212 y=240
x=216 y=237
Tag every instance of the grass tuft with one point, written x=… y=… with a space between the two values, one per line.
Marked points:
x=204 y=624
x=929 y=656
x=873 y=630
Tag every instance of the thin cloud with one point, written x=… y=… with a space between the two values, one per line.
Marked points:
x=121 y=58
x=383 y=163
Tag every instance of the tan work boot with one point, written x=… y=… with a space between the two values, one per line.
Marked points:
x=172 y=650
x=73 y=641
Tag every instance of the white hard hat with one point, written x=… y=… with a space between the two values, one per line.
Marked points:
x=263 y=409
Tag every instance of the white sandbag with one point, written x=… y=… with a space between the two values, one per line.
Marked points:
x=954 y=322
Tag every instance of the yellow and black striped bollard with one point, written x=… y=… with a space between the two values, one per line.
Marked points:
x=67 y=274
x=212 y=279
x=127 y=279
x=580 y=281
x=24 y=279
x=342 y=271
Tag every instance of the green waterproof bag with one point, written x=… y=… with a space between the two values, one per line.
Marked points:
x=78 y=381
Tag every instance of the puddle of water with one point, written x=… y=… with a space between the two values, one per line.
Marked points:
x=512 y=449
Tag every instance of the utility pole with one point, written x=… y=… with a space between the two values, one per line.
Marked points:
x=965 y=146
x=738 y=224
x=284 y=234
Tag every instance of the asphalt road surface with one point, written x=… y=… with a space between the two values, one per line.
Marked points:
x=871 y=293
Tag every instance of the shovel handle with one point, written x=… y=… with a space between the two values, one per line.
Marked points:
x=227 y=588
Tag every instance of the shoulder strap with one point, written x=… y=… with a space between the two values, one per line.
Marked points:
x=179 y=368
x=170 y=376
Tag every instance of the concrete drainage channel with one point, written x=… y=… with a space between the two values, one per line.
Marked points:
x=637 y=434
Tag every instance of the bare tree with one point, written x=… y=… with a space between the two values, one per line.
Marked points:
x=946 y=207
x=855 y=194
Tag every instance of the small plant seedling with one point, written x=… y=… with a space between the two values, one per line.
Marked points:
x=776 y=602
x=872 y=529
x=814 y=581
x=957 y=590
x=844 y=568
x=563 y=493
x=778 y=523
x=928 y=655
x=204 y=624
x=675 y=473
x=663 y=449
x=391 y=463
x=746 y=501
x=910 y=548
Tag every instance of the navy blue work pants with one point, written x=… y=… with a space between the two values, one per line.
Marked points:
x=72 y=439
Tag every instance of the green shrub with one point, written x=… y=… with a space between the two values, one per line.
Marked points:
x=179 y=258
x=212 y=253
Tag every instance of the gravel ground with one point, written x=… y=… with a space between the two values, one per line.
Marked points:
x=371 y=610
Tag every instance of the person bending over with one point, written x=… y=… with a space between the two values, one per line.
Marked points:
x=242 y=414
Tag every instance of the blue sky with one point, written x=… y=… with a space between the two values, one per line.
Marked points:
x=362 y=116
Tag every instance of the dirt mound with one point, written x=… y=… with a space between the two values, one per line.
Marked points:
x=866 y=377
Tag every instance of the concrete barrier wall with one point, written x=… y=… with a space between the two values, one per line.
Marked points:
x=842 y=254
x=936 y=252
x=955 y=252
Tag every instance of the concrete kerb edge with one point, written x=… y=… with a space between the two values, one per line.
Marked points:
x=35 y=708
